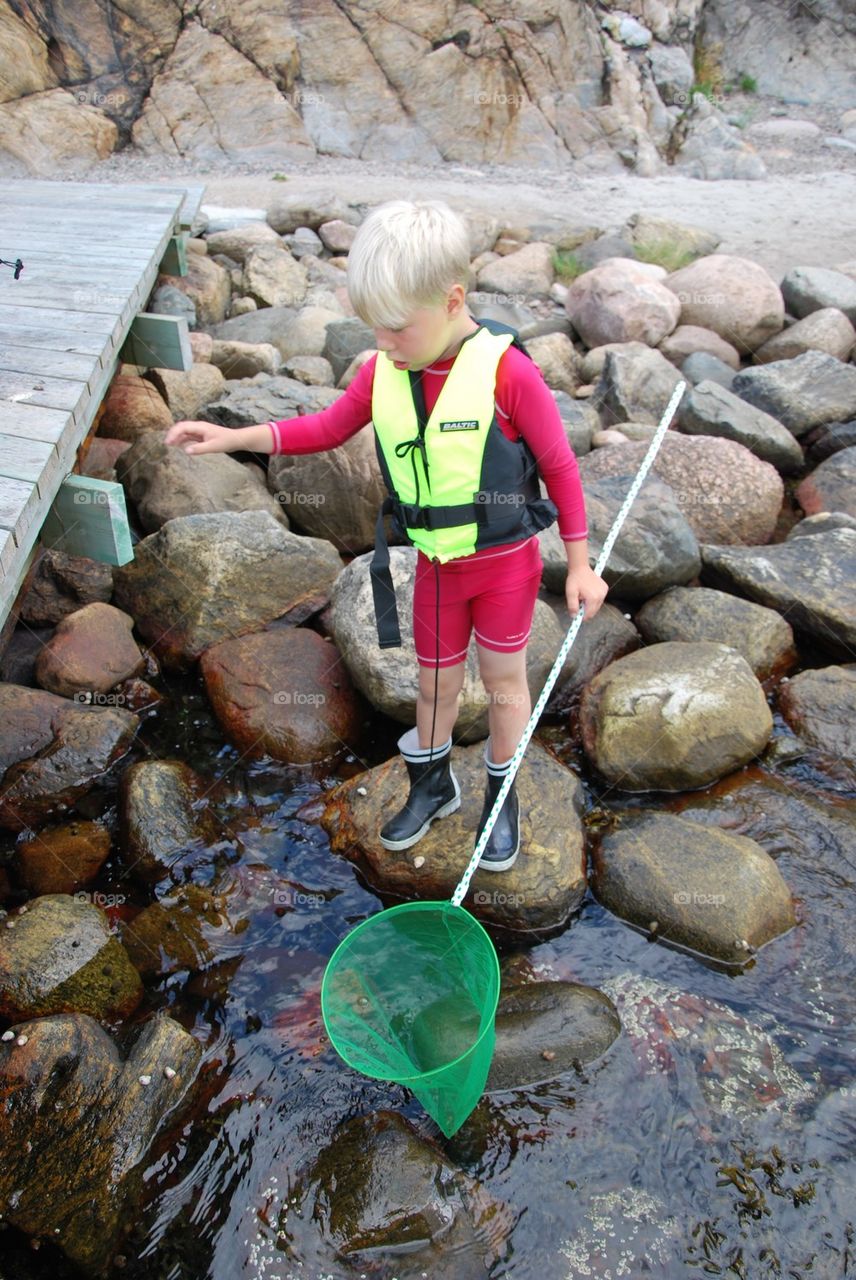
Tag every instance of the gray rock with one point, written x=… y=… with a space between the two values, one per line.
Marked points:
x=334 y=494
x=259 y=326
x=264 y=398
x=674 y=716
x=167 y=300
x=346 y=339
x=820 y=706
x=635 y=388
x=674 y=76
x=580 y=420
x=389 y=677
x=715 y=893
x=164 y=482
x=826 y=330
x=187 y=587
x=297 y=209
x=602 y=639
x=806 y=392
x=690 y=614
x=831 y=486
x=812 y=581
x=606 y=246
x=831 y=438
x=823 y=522
x=540 y=892
x=656 y=547
x=701 y=367
x=808 y=289
x=546 y=1028
x=304 y=243
x=710 y=148
x=712 y=410
x=486 y=304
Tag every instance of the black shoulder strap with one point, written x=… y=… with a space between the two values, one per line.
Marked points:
x=496 y=326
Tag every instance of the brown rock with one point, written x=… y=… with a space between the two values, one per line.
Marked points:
x=285 y=693
x=91 y=651
x=132 y=405
x=60 y=859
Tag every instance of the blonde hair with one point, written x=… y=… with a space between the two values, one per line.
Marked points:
x=406 y=254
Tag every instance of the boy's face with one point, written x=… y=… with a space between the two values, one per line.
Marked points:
x=429 y=334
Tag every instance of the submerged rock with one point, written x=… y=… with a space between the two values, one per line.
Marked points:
x=716 y=893
x=546 y=1028
x=820 y=706
x=60 y=957
x=542 y=889
x=79 y=1124
x=161 y=816
x=673 y=716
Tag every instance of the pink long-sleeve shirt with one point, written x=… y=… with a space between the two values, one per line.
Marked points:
x=524 y=407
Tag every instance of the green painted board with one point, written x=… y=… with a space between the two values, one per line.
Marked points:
x=158 y=342
x=89 y=518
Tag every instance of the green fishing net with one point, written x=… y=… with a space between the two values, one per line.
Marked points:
x=410 y=996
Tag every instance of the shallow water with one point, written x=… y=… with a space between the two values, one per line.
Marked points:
x=717 y=1136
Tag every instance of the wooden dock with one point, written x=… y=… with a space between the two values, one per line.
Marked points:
x=91 y=257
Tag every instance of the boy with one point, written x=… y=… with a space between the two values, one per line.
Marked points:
x=463 y=421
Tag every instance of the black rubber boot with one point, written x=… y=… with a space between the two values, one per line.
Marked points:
x=503 y=843
x=434 y=792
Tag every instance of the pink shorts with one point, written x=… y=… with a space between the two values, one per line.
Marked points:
x=493 y=592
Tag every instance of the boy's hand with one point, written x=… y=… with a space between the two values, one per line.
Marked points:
x=202 y=437
x=583 y=586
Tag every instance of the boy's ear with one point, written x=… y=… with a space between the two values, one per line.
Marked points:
x=455 y=300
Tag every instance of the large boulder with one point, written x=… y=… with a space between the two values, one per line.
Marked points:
x=635 y=386
x=621 y=301
x=713 y=892
x=656 y=547
x=674 y=716
x=283 y=692
x=389 y=678
x=733 y=296
x=726 y=493
x=711 y=410
x=831 y=486
x=187 y=586
x=527 y=272
x=335 y=494
x=807 y=290
x=542 y=889
x=546 y=1028
x=806 y=392
x=164 y=482
x=691 y=614
x=812 y=581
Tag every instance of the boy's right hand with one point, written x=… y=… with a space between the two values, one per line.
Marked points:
x=201 y=437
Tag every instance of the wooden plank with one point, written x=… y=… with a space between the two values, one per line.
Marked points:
x=50 y=340
x=32 y=421
x=174 y=261
x=41 y=389
x=158 y=342
x=23 y=459
x=21 y=507
x=62 y=364
x=88 y=518
x=8 y=552
x=12 y=580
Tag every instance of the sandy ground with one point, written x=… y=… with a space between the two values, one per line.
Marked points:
x=783 y=221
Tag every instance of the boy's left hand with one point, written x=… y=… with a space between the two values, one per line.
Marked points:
x=583 y=586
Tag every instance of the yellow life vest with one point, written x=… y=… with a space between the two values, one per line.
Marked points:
x=456 y=482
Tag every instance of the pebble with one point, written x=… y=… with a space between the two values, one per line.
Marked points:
x=145 y=1079
x=22 y=1040
x=169 y=1072
x=548 y=1054
x=8 y=1035
x=361 y=791
x=419 y=862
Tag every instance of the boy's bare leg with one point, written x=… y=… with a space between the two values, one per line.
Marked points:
x=450 y=681
x=504 y=678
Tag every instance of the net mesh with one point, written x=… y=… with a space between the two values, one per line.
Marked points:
x=410 y=996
